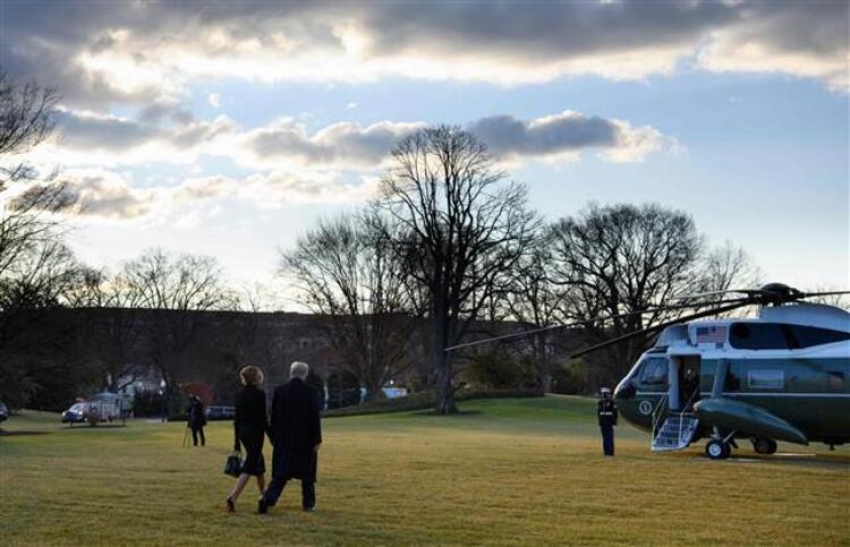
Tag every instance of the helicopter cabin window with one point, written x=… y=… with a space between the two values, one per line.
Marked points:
x=803 y=336
x=758 y=336
x=654 y=371
x=782 y=336
x=766 y=379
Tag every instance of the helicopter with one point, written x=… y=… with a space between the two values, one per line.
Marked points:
x=783 y=375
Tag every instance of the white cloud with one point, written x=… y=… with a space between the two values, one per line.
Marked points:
x=283 y=188
x=88 y=139
x=634 y=144
x=562 y=137
x=214 y=99
x=337 y=164
x=108 y=195
x=101 y=194
x=739 y=51
x=155 y=51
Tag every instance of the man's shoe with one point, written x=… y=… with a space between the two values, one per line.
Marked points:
x=262 y=506
x=310 y=509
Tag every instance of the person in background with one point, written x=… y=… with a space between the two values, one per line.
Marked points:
x=196 y=419
x=249 y=430
x=606 y=410
x=296 y=433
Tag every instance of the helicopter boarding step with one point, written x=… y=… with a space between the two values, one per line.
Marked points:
x=676 y=432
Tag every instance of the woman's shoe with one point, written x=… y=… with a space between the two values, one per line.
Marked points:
x=231 y=506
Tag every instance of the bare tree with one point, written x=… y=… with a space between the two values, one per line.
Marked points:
x=536 y=303
x=175 y=288
x=837 y=300
x=26 y=120
x=726 y=267
x=111 y=326
x=36 y=269
x=462 y=227
x=36 y=340
x=348 y=272
x=260 y=297
x=621 y=259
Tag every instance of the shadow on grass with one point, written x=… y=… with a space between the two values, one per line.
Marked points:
x=4 y=433
x=839 y=461
x=434 y=414
x=82 y=427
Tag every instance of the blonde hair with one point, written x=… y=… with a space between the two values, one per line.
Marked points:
x=251 y=376
x=299 y=369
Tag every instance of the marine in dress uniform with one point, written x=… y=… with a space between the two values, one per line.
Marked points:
x=606 y=411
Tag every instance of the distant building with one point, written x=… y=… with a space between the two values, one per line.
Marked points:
x=211 y=346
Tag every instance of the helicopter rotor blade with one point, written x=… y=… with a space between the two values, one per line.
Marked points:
x=705 y=313
x=748 y=292
x=738 y=301
x=770 y=294
x=828 y=293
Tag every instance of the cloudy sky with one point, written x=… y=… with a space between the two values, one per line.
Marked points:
x=228 y=128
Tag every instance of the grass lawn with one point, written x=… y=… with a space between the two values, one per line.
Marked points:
x=518 y=471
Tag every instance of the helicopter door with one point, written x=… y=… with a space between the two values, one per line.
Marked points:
x=683 y=381
x=673 y=384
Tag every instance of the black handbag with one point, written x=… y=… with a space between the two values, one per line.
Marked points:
x=233 y=466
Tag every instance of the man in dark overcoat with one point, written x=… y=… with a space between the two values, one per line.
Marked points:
x=296 y=433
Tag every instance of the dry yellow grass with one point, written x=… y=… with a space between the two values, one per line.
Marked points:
x=524 y=471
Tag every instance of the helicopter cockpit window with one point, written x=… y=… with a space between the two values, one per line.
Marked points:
x=654 y=371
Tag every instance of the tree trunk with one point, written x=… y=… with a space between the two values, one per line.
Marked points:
x=373 y=392
x=546 y=381
x=445 y=389
x=445 y=403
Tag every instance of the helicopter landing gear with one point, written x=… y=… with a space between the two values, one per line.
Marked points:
x=720 y=447
x=764 y=446
x=717 y=449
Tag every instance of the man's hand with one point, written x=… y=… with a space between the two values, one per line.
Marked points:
x=316 y=448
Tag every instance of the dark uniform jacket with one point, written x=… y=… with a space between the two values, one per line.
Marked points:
x=195 y=414
x=295 y=430
x=250 y=424
x=606 y=410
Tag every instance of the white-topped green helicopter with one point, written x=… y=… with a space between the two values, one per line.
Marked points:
x=783 y=375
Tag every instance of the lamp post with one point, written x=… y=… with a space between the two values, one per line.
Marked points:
x=163 y=392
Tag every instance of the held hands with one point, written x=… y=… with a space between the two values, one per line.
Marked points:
x=316 y=448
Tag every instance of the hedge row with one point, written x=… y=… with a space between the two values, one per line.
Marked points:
x=424 y=400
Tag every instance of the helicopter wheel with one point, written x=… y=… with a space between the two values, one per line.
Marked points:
x=717 y=449
x=764 y=446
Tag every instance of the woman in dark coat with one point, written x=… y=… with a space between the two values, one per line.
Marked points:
x=249 y=430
